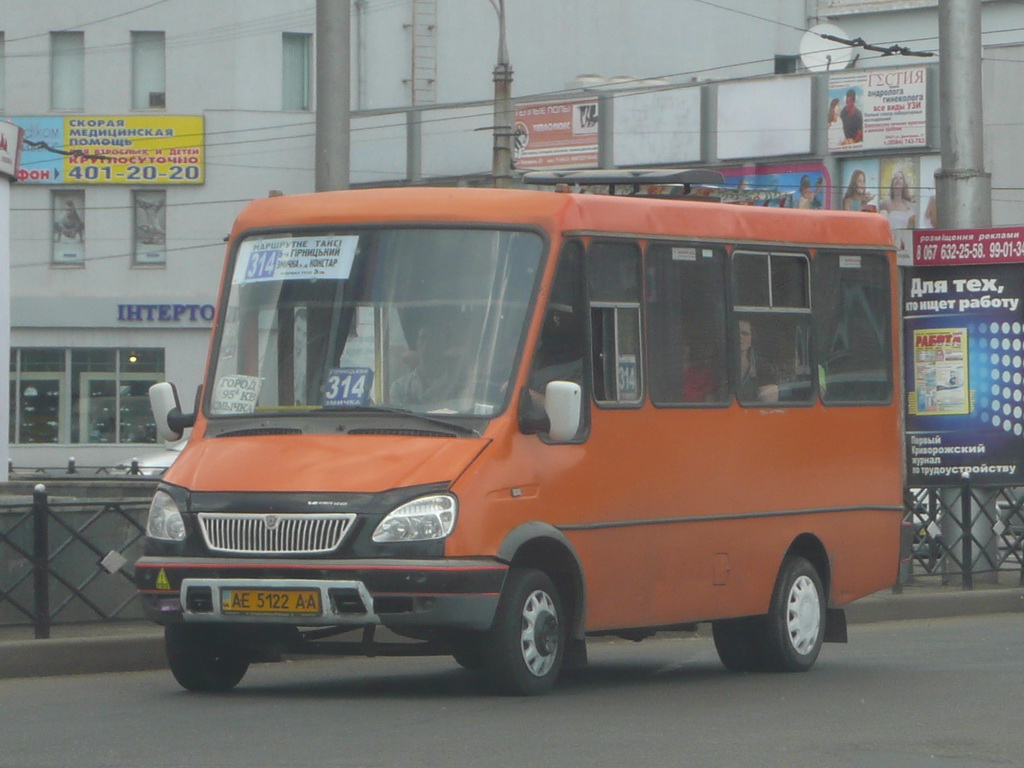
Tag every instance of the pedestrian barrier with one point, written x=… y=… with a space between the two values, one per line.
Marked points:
x=73 y=469
x=69 y=560
x=965 y=532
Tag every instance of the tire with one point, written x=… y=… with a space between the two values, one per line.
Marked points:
x=526 y=643
x=794 y=628
x=469 y=649
x=738 y=642
x=203 y=659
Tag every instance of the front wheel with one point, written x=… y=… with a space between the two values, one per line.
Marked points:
x=203 y=658
x=795 y=624
x=526 y=643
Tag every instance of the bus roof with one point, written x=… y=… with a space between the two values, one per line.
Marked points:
x=567 y=212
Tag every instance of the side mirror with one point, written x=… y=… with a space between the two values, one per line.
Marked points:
x=563 y=405
x=171 y=423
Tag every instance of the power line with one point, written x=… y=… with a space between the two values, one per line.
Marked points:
x=88 y=260
x=85 y=24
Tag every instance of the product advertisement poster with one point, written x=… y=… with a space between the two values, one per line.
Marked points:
x=964 y=371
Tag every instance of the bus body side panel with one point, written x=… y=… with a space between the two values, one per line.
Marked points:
x=686 y=514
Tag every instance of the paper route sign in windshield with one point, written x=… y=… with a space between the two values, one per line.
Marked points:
x=327 y=257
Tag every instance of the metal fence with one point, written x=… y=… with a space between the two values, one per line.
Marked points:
x=73 y=469
x=69 y=559
x=66 y=559
x=964 y=533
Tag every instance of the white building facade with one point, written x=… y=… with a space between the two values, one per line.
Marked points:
x=149 y=125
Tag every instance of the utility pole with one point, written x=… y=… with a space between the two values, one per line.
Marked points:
x=333 y=77
x=504 y=127
x=963 y=189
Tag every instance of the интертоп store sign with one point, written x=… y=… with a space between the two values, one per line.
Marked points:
x=112 y=149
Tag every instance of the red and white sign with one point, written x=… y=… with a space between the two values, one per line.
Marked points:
x=948 y=247
x=557 y=134
x=10 y=148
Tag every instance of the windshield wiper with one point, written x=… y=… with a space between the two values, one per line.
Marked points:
x=426 y=417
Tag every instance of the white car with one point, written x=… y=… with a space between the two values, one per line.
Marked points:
x=152 y=462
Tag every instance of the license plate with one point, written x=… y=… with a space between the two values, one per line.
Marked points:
x=305 y=602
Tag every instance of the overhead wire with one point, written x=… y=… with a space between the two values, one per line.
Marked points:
x=273 y=22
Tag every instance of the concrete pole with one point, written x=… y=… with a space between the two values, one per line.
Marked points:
x=11 y=137
x=964 y=201
x=5 y=321
x=333 y=86
x=504 y=116
x=963 y=189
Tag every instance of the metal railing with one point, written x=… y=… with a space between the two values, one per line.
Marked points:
x=964 y=533
x=69 y=560
x=74 y=469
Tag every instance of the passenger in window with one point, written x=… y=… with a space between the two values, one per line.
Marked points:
x=759 y=381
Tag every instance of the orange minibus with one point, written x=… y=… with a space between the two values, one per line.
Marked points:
x=494 y=423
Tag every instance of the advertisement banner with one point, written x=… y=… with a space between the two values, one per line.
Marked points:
x=877 y=109
x=559 y=134
x=964 y=374
x=993 y=245
x=792 y=185
x=117 y=149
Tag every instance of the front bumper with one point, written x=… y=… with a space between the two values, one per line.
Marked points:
x=399 y=594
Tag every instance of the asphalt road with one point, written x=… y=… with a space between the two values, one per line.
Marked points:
x=910 y=694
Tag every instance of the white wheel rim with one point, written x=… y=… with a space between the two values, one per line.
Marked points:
x=539 y=638
x=803 y=615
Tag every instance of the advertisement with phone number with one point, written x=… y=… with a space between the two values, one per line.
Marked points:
x=112 y=149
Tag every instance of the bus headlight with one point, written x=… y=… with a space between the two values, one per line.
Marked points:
x=165 y=521
x=423 y=519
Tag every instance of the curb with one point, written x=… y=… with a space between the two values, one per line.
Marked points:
x=934 y=605
x=81 y=655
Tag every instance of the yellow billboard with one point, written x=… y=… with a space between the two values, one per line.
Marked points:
x=112 y=149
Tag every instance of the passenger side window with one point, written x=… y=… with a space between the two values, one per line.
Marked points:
x=772 y=326
x=613 y=282
x=851 y=319
x=686 y=341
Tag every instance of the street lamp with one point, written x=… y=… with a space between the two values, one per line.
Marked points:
x=503 y=113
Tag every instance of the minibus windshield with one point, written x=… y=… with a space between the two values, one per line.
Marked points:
x=427 y=320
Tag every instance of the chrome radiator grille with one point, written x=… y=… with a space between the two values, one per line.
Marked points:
x=258 y=534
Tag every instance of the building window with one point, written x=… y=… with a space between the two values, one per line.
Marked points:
x=68 y=226
x=67 y=70
x=83 y=395
x=148 y=74
x=150 y=231
x=295 y=72
x=785 y=65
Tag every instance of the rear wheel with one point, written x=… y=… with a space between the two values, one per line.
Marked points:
x=795 y=624
x=203 y=658
x=526 y=643
x=737 y=642
x=788 y=638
